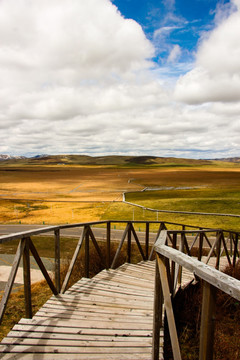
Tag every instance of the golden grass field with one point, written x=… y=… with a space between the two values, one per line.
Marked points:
x=56 y=194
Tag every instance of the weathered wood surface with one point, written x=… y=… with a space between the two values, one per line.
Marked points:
x=107 y=317
x=207 y=273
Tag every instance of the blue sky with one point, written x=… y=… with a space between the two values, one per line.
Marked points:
x=182 y=23
x=102 y=77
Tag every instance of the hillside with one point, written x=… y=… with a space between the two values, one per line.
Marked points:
x=103 y=160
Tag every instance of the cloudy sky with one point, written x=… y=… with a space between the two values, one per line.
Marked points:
x=101 y=77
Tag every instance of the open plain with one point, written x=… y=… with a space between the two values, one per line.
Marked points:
x=53 y=192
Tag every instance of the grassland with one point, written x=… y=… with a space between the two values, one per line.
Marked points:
x=46 y=191
x=62 y=190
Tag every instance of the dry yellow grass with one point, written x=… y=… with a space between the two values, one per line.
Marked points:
x=68 y=194
x=49 y=212
x=69 y=183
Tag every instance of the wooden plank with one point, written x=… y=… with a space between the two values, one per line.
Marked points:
x=96 y=245
x=209 y=244
x=111 y=291
x=55 y=356
x=131 y=282
x=226 y=250
x=158 y=315
x=88 y=323
x=73 y=349
x=82 y=290
x=212 y=250
x=42 y=267
x=235 y=251
x=129 y=267
x=112 y=300
x=73 y=261
x=73 y=343
x=143 y=276
x=120 y=246
x=83 y=337
x=95 y=318
x=111 y=287
x=222 y=281
x=194 y=242
x=58 y=313
x=161 y=228
x=111 y=304
x=77 y=313
x=26 y=326
x=117 y=275
x=137 y=242
x=100 y=308
x=128 y=280
x=168 y=308
x=141 y=268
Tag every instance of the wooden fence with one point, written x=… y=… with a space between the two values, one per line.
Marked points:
x=173 y=252
x=182 y=242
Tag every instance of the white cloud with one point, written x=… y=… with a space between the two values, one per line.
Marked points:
x=163 y=31
x=216 y=76
x=174 y=54
x=76 y=78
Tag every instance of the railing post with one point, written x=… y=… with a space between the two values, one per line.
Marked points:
x=174 y=244
x=27 y=280
x=178 y=272
x=87 y=255
x=108 y=262
x=129 y=243
x=218 y=245
x=157 y=315
x=168 y=307
x=57 y=260
x=235 y=250
x=207 y=322
x=147 y=240
x=200 y=246
x=231 y=243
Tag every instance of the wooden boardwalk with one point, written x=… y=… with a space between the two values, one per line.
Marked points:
x=107 y=317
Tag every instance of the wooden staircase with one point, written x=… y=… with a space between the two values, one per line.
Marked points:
x=107 y=317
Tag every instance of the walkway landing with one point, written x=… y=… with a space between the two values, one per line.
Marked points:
x=107 y=317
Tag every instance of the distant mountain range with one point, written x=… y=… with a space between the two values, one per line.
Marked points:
x=108 y=160
x=231 y=159
x=10 y=157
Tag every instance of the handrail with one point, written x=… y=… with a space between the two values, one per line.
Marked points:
x=167 y=279
x=178 y=239
x=26 y=246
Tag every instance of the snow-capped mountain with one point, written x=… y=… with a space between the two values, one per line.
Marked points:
x=9 y=157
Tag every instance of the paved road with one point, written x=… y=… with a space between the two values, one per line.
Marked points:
x=100 y=233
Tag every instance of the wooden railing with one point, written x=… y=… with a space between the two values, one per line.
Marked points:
x=183 y=240
x=26 y=246
x=173 y=252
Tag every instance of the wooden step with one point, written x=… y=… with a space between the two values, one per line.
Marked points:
x=108 y=317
